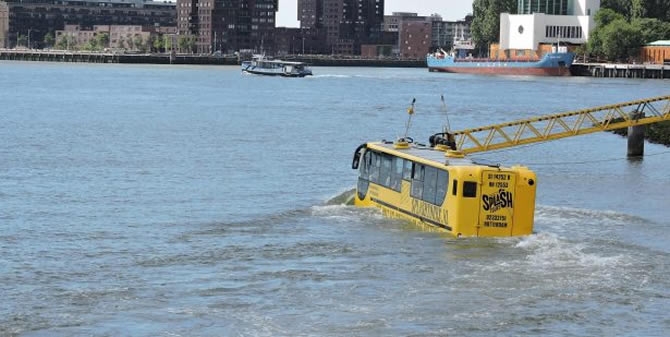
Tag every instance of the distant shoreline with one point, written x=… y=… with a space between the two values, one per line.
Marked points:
x=155 y=58
x=579 y=69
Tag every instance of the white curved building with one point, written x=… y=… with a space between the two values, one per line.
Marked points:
x=543 y=22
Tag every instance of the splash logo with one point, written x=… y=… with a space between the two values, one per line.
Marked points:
x=494 y=202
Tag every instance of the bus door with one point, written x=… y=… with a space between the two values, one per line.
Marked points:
x=496 y=211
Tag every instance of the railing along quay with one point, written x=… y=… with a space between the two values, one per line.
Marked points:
x=107 y=57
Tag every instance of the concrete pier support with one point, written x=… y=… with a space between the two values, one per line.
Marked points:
x=636 y=137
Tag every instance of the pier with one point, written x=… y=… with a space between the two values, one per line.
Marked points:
x=614 y=70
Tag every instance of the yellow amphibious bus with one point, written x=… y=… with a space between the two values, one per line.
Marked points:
x=438 y=186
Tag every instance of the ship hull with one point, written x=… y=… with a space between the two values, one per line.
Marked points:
x=560 y=71
x=552 y=64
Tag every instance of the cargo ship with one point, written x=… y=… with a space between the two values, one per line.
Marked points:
x=556 y=63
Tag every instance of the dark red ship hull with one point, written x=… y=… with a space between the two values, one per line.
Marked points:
x=522 y=71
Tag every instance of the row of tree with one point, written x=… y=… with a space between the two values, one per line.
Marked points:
x=156 y=43
x=622 y=26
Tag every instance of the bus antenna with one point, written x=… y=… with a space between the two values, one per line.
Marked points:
x=410 y=111
x=446 y=114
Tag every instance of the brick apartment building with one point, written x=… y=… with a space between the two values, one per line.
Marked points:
x=228 y=26
x=34 y=19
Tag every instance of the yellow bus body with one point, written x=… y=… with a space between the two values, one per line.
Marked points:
x=430 y=187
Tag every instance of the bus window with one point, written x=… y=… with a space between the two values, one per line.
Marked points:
x=469 y=189
x=396 y=175
x=365 y=166
x=407 y=170
x=417 y=181
x=385 y=172
x=442 y=183
x=374 y=168
x=429 y=184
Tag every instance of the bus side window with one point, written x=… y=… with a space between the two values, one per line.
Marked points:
x=396 y=175
x=365 y=166
x=429 y=184
x=385 y=172
x=469 y=189
x=374 y=168
x=442 y=184
x=407 y=170
x=417 y=181
x=454 y=187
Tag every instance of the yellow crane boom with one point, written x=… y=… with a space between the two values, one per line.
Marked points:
x=562 y=125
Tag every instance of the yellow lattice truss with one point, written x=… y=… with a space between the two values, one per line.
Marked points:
x=562 y=125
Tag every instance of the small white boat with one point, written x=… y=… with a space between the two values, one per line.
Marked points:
x=263 y=66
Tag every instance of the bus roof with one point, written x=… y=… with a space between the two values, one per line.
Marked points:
x=426 y=155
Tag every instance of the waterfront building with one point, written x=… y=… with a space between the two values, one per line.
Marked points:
x=292 y=41
x=415 y=39
x=448 y=34
x=349 y=23
x=310 y=13
x=443 y=34
x=393 y=22
x=125 y=37
x=657 y=52
x=545 y=22
x=27 y=22
x=4 y=23
x=228 y=26
x=398 y=24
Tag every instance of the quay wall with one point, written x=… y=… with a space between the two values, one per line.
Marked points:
x=95 y=57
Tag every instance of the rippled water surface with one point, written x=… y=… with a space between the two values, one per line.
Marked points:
x=194 y=201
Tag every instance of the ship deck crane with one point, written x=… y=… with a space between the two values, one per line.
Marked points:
x=562 y=125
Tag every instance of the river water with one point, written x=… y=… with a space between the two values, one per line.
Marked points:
x=195 y=201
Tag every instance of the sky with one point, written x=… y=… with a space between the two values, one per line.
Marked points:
x=449 y=9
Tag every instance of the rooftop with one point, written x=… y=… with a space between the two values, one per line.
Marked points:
x=664 y=43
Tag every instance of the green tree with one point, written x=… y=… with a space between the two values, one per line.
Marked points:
x=21 y=40
x=603 y=19
x=605 y=16
x=61 y=43
x=485 y=27
x=122 y=42
x=651 y=29
x=102 y=40
x=186 y=43
x=620 y=41
x=658 y=9
x=90 y=45
x=49 y=39
x=632 y=9
x=637 y=9
x=138 y=42
x=157 y=42
x=167 y=42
